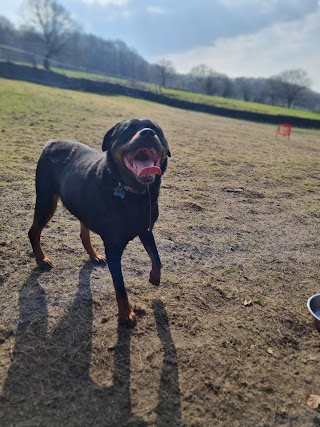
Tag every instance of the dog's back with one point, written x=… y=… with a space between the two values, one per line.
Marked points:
x=63 y=170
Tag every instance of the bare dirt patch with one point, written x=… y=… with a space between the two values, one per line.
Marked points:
x=226 y=340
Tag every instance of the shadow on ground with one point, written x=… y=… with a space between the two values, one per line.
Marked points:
x=49 y=384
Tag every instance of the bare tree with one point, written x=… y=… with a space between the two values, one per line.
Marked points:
x=291 y=84
x=206 y=80
x=165 y=68
x=52 y=22
x=201 y=71
x=8 y=36
x=244 y=88
x=6 y=30
x=271 y=92
x=201 y=75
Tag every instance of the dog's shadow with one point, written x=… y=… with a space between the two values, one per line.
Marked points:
x=49 y=384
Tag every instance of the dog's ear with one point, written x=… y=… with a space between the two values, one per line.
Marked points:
x=108 y=137
x=161 y=135
x=168 y=152
x=167 y=145
x=166 y=142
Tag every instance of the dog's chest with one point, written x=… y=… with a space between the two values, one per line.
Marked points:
x=125 y=219
x=133 y=209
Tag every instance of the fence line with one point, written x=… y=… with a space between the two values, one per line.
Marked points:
x=37 y=75
x=22 y=56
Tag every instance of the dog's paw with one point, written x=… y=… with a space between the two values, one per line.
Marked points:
x=129 y=320
x=45 y=264
x=98 y=259
x=155 y=277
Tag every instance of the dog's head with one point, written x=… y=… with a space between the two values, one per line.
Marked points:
x=138 y=150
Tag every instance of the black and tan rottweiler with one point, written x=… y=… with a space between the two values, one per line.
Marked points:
x=114 y=194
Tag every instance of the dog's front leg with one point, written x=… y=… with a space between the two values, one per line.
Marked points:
x=149 y=244
x=126 y=314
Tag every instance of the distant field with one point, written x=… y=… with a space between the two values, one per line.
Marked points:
x=201 y=99
x=240 y=105
x=225 y=340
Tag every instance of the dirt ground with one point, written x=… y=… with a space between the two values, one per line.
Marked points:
x=226 y=340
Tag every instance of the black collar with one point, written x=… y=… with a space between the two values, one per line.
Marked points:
x=121 y=189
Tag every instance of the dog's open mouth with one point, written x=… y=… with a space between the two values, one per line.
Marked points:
x=144 y=163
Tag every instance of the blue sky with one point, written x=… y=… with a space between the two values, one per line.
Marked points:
x=236 y=37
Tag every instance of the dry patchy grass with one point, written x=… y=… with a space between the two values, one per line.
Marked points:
x=226 y=340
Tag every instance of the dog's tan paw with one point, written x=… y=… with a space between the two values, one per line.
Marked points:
x=98 y=259
x=45 y=264
x=129 y=320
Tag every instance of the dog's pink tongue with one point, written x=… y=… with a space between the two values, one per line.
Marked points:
x=147 y=168
x=152 y=170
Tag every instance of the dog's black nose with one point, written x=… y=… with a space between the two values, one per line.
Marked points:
x=147 y=132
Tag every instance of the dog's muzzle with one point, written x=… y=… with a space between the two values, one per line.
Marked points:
x=144 y=163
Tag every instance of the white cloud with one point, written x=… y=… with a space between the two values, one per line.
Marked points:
x=119 y=3
x=264 y=4
x=264 y=53
x=118 y=9
x=241 y=3
x=155 y=10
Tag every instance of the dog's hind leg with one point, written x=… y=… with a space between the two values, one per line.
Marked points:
x=46 y=205
x=86 y=241
x=126 y=313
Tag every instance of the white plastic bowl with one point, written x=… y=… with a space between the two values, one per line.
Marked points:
x=314 y=308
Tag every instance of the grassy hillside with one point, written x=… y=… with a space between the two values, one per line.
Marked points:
x=203 y=99
x=225 y=340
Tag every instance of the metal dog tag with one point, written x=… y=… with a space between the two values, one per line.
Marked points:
x=119 y=191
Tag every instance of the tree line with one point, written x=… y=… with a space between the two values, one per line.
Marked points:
x=50 y=37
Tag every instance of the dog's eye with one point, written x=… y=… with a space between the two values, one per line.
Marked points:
x=130 y=130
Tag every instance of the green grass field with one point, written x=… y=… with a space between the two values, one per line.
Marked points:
x=200 y=98
x=225 y=340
